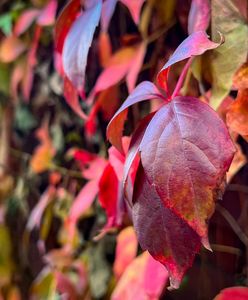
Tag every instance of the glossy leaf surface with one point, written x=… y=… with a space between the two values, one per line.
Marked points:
x=157 y=226
x=183 y=164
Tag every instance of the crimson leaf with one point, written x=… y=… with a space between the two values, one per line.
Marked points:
x=185 y=152
x=165 y=235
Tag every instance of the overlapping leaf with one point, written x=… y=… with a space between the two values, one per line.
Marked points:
x=160 y=231
x=183 y=164
x=144 y=91
x=144 y=278
x=195 y=44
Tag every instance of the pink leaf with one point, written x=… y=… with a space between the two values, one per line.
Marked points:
x=134 y=7
x=77 y=44
x=144 y=91
x=83 y=200
x=126 y=250
x=25 y=20
x=199 y=16
x=47 y=16
x=108 y=8
x=195 y=44
x=135 y=281
x=37 y=212
x=165 y=235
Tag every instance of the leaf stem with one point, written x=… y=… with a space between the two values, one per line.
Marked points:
x=181 y=78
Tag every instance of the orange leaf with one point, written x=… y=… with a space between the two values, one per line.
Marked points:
x=10 y=48
x=237 y=115
x=43 y=153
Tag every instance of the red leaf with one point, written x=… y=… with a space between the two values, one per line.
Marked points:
x=77 y=44
x=165 y=235
x=64 y=22
x=134 y=7
x=144 y=91
x=184 y=164
x=233 y=293
x=25 y=20
x=199 y=16
x=143 y=279
x=108 y=194
x=72 y=98
x=195 y=44
x=47 y=16
x=126 y=250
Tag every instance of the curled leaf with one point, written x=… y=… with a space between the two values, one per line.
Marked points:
x=144 y=91
x=195 y=44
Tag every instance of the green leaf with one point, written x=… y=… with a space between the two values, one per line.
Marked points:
x=24 y=120
x=227 y=19
x=6 y=23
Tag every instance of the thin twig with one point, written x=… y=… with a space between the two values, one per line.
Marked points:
x=233 y=223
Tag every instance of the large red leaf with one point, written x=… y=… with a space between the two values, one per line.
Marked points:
x=195 y=44
x=77 y=44
x=199 y=15
x=185 y=152
x=233 y=293
x=160 y=231
x=144 y=91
